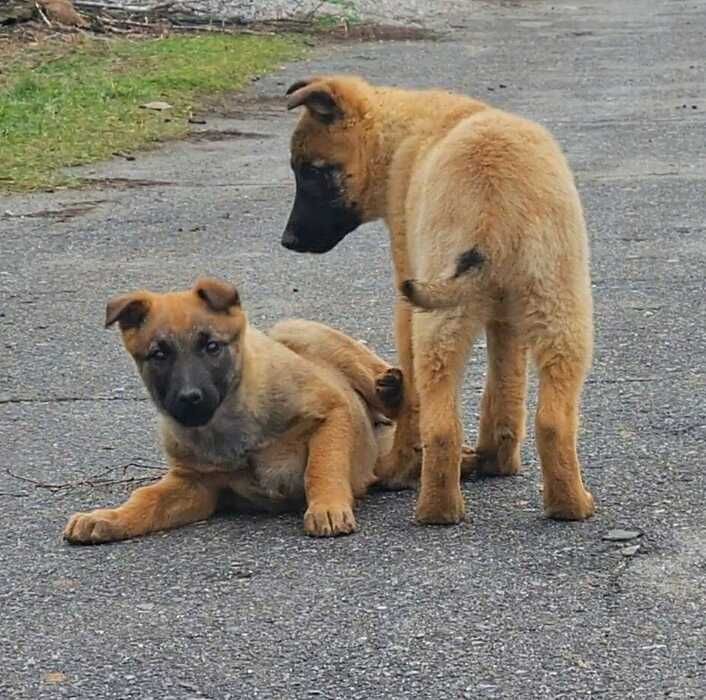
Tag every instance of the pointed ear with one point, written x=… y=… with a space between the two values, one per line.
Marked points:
x=317 y=97
x=218 y=295
x=129 y=310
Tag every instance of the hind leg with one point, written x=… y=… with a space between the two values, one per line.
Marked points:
x=503 y=411
x=561 y=376
x=375 y=380
x=442 y=342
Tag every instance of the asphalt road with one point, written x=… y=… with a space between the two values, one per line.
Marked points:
x=508 y=605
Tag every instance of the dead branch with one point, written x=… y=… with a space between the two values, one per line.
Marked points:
x=42 y=15
x=135 y=9
x=98 y=479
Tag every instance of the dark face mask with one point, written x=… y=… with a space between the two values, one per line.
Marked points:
x=188 y=379
x=320 y=217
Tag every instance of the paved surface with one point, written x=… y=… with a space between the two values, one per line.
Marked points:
x=506 y=606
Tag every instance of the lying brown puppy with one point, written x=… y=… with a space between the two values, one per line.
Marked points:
x=487 y=235
x=249 y=420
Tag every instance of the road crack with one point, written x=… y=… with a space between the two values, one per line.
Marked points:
x=70 y=399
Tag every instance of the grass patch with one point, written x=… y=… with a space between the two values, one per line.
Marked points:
x=68 y=105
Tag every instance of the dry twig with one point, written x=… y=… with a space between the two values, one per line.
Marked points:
x=96 y=480
x=42 y=15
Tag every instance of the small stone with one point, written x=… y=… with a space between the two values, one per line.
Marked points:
x=630 y=551
x=619 y=535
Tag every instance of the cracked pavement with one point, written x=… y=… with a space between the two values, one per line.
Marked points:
x=508 y=605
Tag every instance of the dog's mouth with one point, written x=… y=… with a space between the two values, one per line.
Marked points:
x=192 y=420
x=292 y=242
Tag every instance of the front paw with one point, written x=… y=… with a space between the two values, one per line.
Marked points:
x=469 y=461
x=399 y=470
x=329 y=521
x=440 y=506
x=96 y=527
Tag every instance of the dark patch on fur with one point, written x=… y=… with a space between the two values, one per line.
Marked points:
x=469 y=260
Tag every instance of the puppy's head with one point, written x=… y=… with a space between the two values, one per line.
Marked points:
x=330 y=153
x=187 y=346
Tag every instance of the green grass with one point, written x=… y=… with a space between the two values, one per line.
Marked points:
x=62 y=106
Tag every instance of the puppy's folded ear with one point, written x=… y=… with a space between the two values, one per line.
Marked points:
x=218 y=295
x=299 y=84
x=317 y=97
x=129 y=310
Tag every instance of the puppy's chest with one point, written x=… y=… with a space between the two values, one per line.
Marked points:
x=279 y=469
x=225 y=444
x=265 y=471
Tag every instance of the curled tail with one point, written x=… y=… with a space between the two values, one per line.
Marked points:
x=445 y=293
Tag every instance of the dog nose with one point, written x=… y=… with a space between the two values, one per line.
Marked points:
x=191 y=397
x=291 y=242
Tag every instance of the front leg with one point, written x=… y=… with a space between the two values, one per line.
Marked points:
x=178 y=498
x=327 y=480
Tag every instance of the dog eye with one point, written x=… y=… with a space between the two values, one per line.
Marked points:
x=313 y=171
x=213 y=347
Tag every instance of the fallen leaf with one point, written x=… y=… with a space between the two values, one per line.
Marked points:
x=158 y=106
x=54 y=677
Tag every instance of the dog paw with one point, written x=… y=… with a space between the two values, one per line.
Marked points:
x=95 y=528
x=469 y=461
x=389 y=389
x=399 y=470
x=440 y=507
x=329 y=521
x=579 y=508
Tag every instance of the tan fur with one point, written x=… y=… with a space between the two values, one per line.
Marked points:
x=449 y=174
x=304 y=425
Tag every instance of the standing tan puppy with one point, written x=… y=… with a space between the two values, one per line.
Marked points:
x=487 y=234
x=249 y=420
